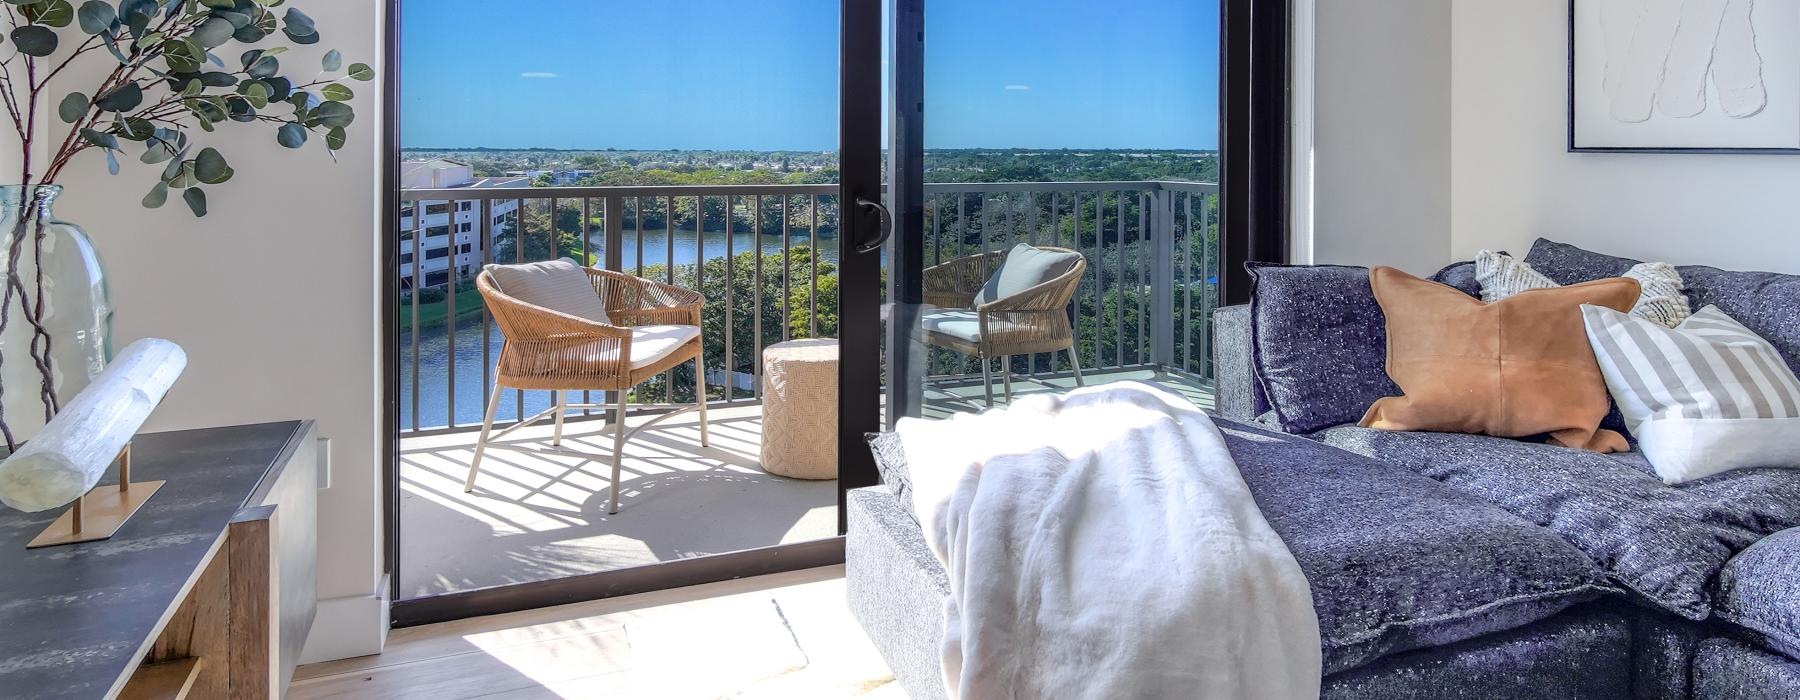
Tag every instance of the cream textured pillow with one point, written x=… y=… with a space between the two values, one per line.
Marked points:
x=1702 y=398
x=558 y=285
x=1502 y=276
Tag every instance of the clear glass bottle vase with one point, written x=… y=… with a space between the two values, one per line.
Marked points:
x=58 y=320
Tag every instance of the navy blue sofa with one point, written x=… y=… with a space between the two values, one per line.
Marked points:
x=1707 y=572
x=1455 y=566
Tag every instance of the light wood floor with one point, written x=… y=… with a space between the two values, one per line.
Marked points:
x=783 y=636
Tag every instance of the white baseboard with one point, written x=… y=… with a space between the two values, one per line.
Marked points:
x=348 y=627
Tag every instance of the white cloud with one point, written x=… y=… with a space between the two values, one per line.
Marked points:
x=536 y=74
x=1017 y=88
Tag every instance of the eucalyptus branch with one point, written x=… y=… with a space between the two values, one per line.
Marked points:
x=169 y=81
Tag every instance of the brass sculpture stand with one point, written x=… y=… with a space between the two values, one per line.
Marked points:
x=99 y=513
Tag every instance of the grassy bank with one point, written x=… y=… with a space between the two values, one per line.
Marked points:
x=437 y=312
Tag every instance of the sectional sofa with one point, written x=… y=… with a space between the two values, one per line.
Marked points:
x=1451 y=566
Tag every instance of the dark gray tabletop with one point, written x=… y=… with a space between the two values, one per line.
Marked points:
x=74 y=619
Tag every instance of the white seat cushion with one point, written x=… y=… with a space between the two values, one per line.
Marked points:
x=963 y=324
x=650 y=344
x=558 y=285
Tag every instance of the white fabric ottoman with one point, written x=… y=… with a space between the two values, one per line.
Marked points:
x=800 y=409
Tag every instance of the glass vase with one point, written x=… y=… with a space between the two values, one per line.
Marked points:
x=58 y=320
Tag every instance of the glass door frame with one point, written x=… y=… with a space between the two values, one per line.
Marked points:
x=1254 y=161
x=860 y=162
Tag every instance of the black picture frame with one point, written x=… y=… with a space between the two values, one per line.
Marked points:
x=1570 y=119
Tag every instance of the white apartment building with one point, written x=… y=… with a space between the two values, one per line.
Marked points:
x=448 y=238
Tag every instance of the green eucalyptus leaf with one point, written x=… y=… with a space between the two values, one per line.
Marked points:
x=172 y=171
x=100 y=138
x=113 y=48
x=52 y=13
x=237 y=19
x=184 y=175
x=215 y=31
x=279 y=88
x=96 y=16
x=155 y=152
x=183 y=56
x=136 y=128
x=257 y=93
x=337 y=92
x=332 y=61
x=196 y=200
x=361 y=71
x=34 y=40
x=122 y=98
x=158 y=195
x=335 y=139
x=265 y=67
x=291 y=135
x=72 y=107
x=210 y=167
x=218 y=79
x=335 y=114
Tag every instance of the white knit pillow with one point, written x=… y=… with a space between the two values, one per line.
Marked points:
x=1662 y=300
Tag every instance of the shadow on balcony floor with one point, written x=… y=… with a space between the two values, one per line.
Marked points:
x=539 y=512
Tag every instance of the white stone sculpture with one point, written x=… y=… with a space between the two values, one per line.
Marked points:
x=75 y=449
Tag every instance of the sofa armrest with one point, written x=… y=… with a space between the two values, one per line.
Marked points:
x=1237 y=394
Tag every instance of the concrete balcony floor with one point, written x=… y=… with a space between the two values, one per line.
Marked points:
x=539 y=512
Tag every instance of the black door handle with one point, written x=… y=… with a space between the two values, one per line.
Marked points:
x=887 y=225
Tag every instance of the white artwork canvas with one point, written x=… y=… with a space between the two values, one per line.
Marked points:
x=1719 y=75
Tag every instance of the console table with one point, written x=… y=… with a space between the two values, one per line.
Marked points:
x=208 y=592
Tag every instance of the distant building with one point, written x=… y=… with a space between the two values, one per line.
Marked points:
x=447 y=238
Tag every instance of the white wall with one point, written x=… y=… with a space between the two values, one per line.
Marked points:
x=1513 y=179
x=1382 y=136
x=274 y=297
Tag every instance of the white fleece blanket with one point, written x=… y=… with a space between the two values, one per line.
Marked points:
x=1101 y=544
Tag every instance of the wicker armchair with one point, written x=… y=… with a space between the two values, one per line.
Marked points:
x=1031 y=321
x=658 y=327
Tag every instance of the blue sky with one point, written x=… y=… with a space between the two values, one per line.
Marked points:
x=762 y=74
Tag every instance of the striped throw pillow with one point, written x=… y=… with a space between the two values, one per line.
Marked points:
x=1704 y=397
x=1663 y=300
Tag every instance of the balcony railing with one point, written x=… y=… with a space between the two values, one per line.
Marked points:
x=765 y=257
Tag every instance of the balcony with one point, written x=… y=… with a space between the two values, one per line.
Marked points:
x=765 y=258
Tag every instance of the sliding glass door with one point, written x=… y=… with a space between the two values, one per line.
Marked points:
x=692 y=145
x=1073 y=146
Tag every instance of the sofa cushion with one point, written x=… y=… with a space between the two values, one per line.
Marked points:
x=1759 y=590
x=1666 y=543
x=1395 y=560
x=1319 y=342
x=1726 y=669
x=1765 y=302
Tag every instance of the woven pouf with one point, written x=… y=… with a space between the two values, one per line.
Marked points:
x=800 y=409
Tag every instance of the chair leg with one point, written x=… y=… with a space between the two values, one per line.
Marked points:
x=1075 y=362
x=1006 y=375
x=618 y=449
x=562 y=408
x=987 y=380
x=700 y=395
x=487 y=428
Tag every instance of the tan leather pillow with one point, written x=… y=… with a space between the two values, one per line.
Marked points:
x=1517 y=367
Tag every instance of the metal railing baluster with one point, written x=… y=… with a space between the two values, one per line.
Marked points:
x=730 y=282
